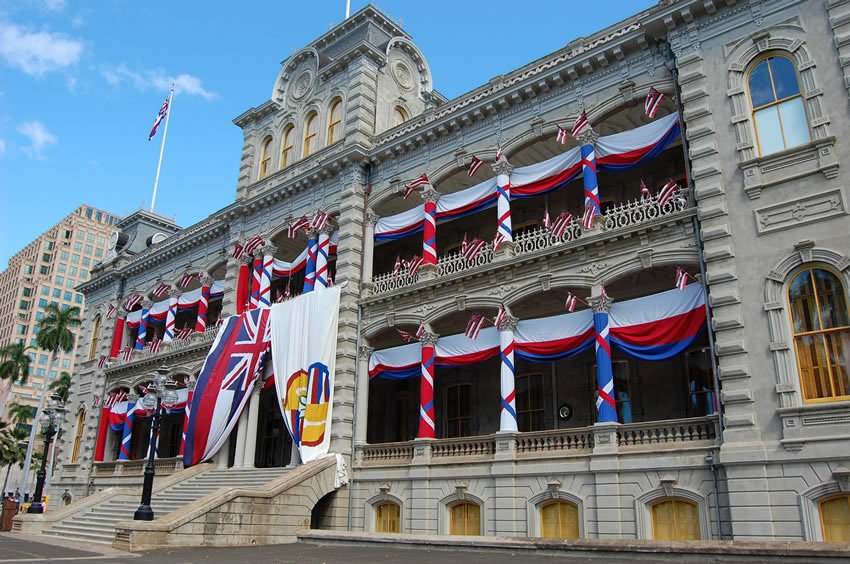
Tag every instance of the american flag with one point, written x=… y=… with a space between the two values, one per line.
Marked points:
x=653 y=101
x=110 y=313
x=414 y=184
x=253 y=244
x=420 y=331
x=581 y=125
x=547 y=223
x=155 y=345
x=406 y=336
x=645 y=194
x=559 y=227
x=127 y=354
x=498 y=240
x=474 y=327
x=163 y=111
x=102 y=362
x=319 y=220
x=667 y=192
x=133 y=301
x=95 y=401
x=474 y=165
x=570 y=304
x=184 y=333
x=589 y=217
x=681 y=278
x=470 y=250
x=562 y=137
x=296 y=226
x=114 y=398
x=238 y=251
x=500 y=316
x=397 y=266
x=413 y=264
x=187 y=279
x=161 y=290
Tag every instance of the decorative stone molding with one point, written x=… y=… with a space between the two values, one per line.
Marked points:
x=461 y=494
x=809 y=510
x=644 y=503
x=553 y=492
x=784 y=166
x=842 y=478
x=801 y=211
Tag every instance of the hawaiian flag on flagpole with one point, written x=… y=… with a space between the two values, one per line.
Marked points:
x=133 y=301
x=653 y=101
x=238 y=251
x=296 y=226
x=127 y=354
x=414 y=184
x=110 y=313
x=470 y=250
x=163 y=111
x=559 y=227
x=413 y=264
x=161 y=290
x=397 y=266
x=184 y=333
x=319 y=220
x=406 y=336
x=420 y=331
x=102 y=362
x=155 y=345
x=498 y=239
x=581 y=125
x=547 y=223
x=667 y=192
x=589 y=217
x=474 y=165
x=562 y=137
x=645 y=194
x=253 y=244
x=570 y=304
x=474 y=327
x=501 y=315
x=681 y=278
x=187 y=279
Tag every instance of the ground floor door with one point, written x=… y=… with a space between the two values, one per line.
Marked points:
x=274 y=445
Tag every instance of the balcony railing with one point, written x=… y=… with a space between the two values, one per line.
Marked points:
x=194 y=340
x=653 y=436
x=628 y=215
x=162 y=466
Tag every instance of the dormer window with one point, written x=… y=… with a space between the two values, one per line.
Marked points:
x=399 y=116
x=266 y=157
x=310 y=134
x=287 y=146
x=335 y=121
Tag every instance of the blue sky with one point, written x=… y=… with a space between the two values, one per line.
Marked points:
x=81 y=82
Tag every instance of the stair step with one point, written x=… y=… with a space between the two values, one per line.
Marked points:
x=87 y=537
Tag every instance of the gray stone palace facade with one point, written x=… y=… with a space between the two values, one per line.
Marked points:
x=745 y=434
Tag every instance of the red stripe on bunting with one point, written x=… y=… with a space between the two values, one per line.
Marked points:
x=555 y=347
x=470 y=358
x=663 y=331
x=544 y=184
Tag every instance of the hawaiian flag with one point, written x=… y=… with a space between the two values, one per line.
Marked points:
x=500 y=316
x=187 y=279
x=406 y=336
x=645 y=194
x=319 y=220
x=397 y=266
x=163 y=111
x=225 y=383
x=296 y=226
x=589 y=217
x=474 y=165
x=155 y=345
x=114 y=398
x=498 y=240
x=102 y=362
x=184 y=333
x=470 y=250
x=420 y=331
x=570 y=304
x=110 y=313
x=413 y=264
x=547 y=223
x=127 y=354
x=475 y=325
x=414 y=184
x=238 y=251
x=253 y=244
x=133 y=301
x=681 y=278
x=653 y=101
x=561 y=223
x=581 y=125
x=161 y=290
x=667 y=192
x=562 y=137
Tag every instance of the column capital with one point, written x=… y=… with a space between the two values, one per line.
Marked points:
x=207 y=280
x=600 y=304
x=327 y=228
x=268 y=249
x=175 y=292
x=372 y=218
x=247 y=259
x=502 y=166
x=429 y=194
x=365 y=352
x=588 y=137
x=311 y=233
x=146 y=303
x=509 y=323
x=429 y=339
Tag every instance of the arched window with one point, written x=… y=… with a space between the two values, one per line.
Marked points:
x=465 y=519
x=266 y=157
x=674 y=518
x=835 y=518
x=287 y=145
x=778 y=113
x=78 y=436
x=95 y=338
x=335 y=121
x=559 y=520
x=399 y=116
x=387 y=517
x=821 y=328
x=310 y=135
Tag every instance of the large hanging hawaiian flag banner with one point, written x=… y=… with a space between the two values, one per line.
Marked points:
x=224 y=385
x=303 y=341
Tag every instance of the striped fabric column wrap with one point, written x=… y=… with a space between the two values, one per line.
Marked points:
x=117 y=338
x=143 y=330
x=242 y=285
x=310 y=270
x=591 y=185
x=606 y=405
x=170 y=318
x=503 y=207
x=256 y=270
x=429 y=232
x=102 y=430
x=323 y=248
x=203 y=305
x=507 y=417
x=186 y=411
x=126 y=435
x=426 y=389
x=266 y=280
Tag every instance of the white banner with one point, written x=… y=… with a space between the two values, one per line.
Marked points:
x=304 y=336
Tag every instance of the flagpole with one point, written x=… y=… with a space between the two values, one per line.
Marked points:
x=347 y=8
x=162 y=146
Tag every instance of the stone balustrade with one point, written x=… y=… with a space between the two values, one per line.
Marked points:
x=465 y=447
x=195 y=340
x=381 y=453
x=677 y=432
x=558 y=441
x=135 y=468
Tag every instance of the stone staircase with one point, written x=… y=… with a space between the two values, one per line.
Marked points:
x=97 y=523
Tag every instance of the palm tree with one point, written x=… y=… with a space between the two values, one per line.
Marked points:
x=15 y=368
x=54 y=336
x=20 y=414
x=12 y=450
x=61 y=387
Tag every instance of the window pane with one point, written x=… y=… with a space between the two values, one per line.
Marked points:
x=814 y=374
x=803 y=306
x=838 y=347
x=559 y=519
x=663 y=525
x=687 y=521
x=387 y=518
x=761 y=91
x=794 y=122
x=833 y=303
x=769 y=132
x=784 y=77
x=835 y=516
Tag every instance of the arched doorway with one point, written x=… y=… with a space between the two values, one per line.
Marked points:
x=274 y=445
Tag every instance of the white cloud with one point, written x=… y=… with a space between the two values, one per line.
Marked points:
x=39 y=138
x=54 y=5
x=2 y=146
x=158 y=80
x=39 y=52
x=78 y=22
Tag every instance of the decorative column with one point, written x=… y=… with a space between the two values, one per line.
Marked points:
x=170 y=317
x=606 y=404
x=503 y=169
x=203 y=304
x=588 y=169
x=187 y=412
x=222 y=457
x=241 y=436
x=507 y=418
x=429 y=233
x=143 y=326
x=310 y=270
x=322 y=249
x=253 y=424
x=243 y=286
x=117 y=338
x=361 y=407
x=127 y=431
x=369 y=249
x=257 y=270
x=426 y=386
x=267 y=265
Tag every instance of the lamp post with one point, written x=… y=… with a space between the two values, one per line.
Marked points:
x=160 y=391
x=53 y=414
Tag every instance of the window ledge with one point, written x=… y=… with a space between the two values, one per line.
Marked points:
x=791 y=164
x=815 y=422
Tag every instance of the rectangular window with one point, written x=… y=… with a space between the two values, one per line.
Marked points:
x=88 y=249
x=64 y=255
x=70 y=283
x=701 y=397
x=42 y=303
x=46 y=257
x=459 y=410
x=72 y=271
x=78 y=298
x=98 y=216
x=24 y=304
x=100 y=240
x=27 y=292
x=45 y=270
x=78 y=246
x=28 y=269
x=76 y=259
x=60 y=279
x=84 y=273
x=42 y=359
x=98 y=253
x=40 y=372
x=39 y=315
x=81 y=235
x=61 y=267
x=22 y=329
x=66 y=363
x=48 y=245
x=530 y=409
x=67 y=234
x=90 y=237
x=68 y=296
x=57 y=292
x=86 y=261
